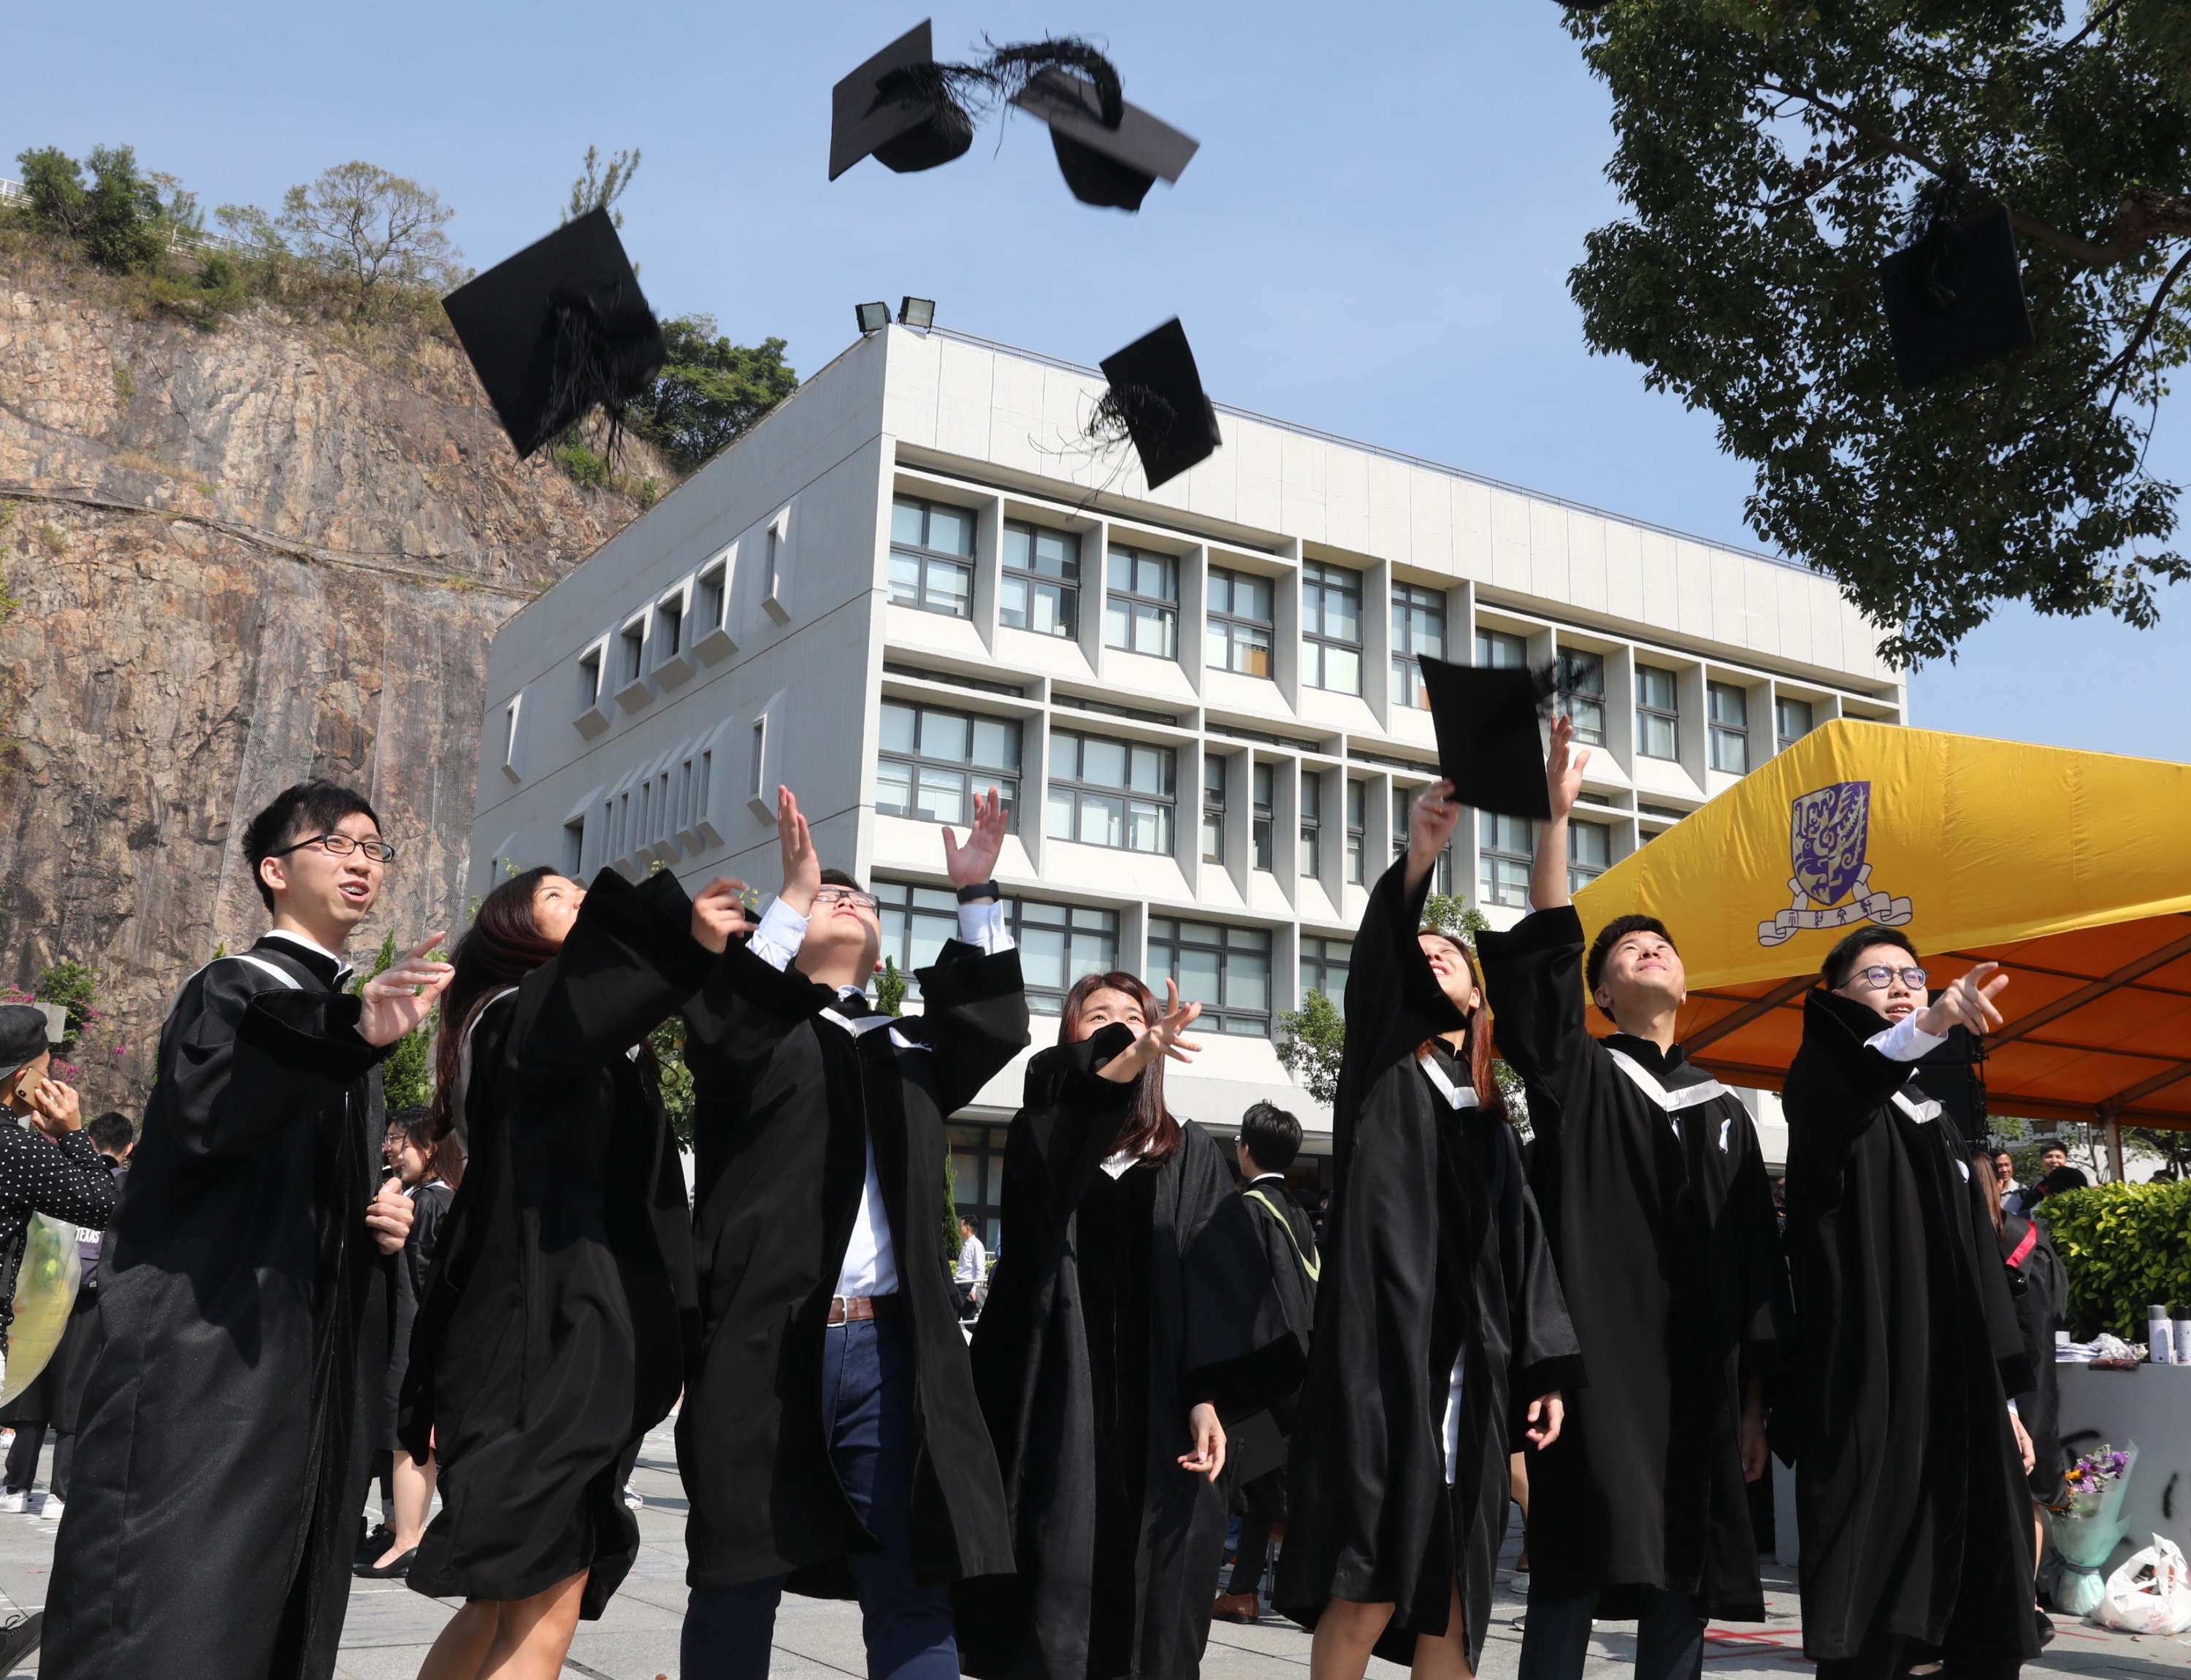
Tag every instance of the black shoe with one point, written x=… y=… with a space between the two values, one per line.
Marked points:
x=371 y=1546
x=19 y=1639
x=2046 y=1628
x=393 y=1570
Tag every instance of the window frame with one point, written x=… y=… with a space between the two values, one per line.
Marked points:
x=1238 y=629
x=1358 y=830
x=1403 y=805
x=1212 y=804
x=1325 y=964
x=1032 y=580
x=1163 y=807
x=1130 y=603
x=1309 y=859
x=1038 y=995
x=1262 y=816
x=1318 y=582
x=1234 y=1020
x=1647 y=714
x=1582 y=873
x=1495 y=847
x=1570 y=692
x=919 y=759
x=928 y=558
x=1783 y=740
x=1407 y=688
x=1734 y=736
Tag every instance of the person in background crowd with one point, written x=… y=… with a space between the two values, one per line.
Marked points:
x=1914 y=1523
x=2003 y=1167
x=54 y=1168
x=2056 y=1175
x=1442 y=1339
x=1269 y=1141
x=973 y=1271
x=1320 y=1211
x=385 y=1346
x=235 y=1289
x=558 y=1314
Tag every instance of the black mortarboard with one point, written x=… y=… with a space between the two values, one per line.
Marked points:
x=1156 y=398
x=1112 y=161
x=1955 y=298
x=23 y=1039
x=900 y=106
x=557 y=328
x=1488 y=745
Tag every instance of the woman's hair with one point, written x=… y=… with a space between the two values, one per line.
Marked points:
x=504 y=946
x=445 y=1156
x=1481 y=1074
x=1151 y=1134
x=1982 y=1169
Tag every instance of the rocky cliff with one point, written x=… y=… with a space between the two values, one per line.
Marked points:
x=243 y=556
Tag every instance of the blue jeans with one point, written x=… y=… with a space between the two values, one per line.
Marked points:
x=866 y=1408
x=1670 y=1636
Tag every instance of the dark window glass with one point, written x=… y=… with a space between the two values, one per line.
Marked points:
x=1040 y=588
x=1331 y=628
x=1311 y=823
x=933 y=764
x=1227 y=970
x=1792 y=720
x=1582 y=695
x=1141 y=608
x=1265 y=780
x=1357 y=818
x=1238 y=623
x=1324 y=967
x=1212 y=808
x=1442 y=871
x=1503 y=855
x=1657 y=713
x=1728 y=710
x=1417 y=629
x=1106 y=792
x=1590 y=853
x=931 y=556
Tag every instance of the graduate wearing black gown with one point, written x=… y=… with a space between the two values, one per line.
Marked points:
x=1660 y=1217
x=1435 y=1273
x=560 y=1307
x=221 y=1456
x=1132 y=1304
x=1909 y=1498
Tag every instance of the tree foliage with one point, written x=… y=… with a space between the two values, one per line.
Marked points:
x=117 y=218
x=598 y=187
x=2126 y=1247
x=378 y=230
x=1772 y=152
x=406 y=1071
x=710 y=392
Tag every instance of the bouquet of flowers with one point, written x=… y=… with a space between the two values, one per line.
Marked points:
x=2090 y=1478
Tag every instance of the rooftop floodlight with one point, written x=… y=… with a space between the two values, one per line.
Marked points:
x=873 y=317
x=918 y=313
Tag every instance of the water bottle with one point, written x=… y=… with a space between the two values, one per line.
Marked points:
x=2181 y=1314
x=2160 y=1337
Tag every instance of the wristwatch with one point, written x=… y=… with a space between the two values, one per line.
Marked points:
x=978 y=891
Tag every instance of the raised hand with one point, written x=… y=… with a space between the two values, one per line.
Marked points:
x=1165 y=1036
x=1208 y=1457
x=802 y=864
x=1431 y=821
x=1968 y=1002
x=54 y=1109
x=388 y=1216
x=718 y=914
x=399 y=999
x=974 y=862
x=1563 y=767
x=1546 y=1413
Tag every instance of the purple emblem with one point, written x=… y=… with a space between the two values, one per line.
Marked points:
x=1831 y=826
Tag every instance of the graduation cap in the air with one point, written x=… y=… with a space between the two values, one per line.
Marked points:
x=1955 y=298
x=1156 y=399
x=557 y=328
x=1488 y=745
x=1110 y=153
x=902 y=108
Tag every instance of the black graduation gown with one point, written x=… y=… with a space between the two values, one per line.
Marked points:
x=1432 y=1245
x=221 y=1458
x=553 y=1333
x=1910 y=1493
x=2040 y=1304
x=1116 y=1306
x=429 y=1207
x=1283 y=1243
x=1660 y=1217
x=784 y=1104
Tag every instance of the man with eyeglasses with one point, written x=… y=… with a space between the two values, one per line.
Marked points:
x=830 y=1440
x=1910 y=1497
x=220 y=1463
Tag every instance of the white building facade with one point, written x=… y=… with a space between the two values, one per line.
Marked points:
x=912 y=581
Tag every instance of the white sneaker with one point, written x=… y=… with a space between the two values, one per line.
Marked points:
x=51 y=1512
x=635 y=1500
x=13 y=1501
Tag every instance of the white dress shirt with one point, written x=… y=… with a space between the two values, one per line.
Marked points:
x=973 y=1262
x=870 y=1266
x=1905 y=1040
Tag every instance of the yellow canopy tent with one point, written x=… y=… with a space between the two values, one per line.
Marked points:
x=2072 y=869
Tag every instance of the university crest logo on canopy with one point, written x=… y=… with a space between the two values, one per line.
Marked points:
x=1829 y=833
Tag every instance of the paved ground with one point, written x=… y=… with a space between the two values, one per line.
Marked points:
x=390 y=1626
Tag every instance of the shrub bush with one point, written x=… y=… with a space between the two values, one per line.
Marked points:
x=2127 y=1247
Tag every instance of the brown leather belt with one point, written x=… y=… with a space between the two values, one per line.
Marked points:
x=862 y=1308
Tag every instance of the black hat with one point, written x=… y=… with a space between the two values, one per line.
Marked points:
x=1110 y=152
x=1156 y=398
x=557 y=328
x=22 y=1036
x=1489 y=744
x=901 y=107
x=1955 y=298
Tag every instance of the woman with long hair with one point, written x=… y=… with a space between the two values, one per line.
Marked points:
x=550 y=1338
x=1437 y=1313
x=1119 y=1321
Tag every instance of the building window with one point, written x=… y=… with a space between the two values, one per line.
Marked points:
x=977 y=1179
x=1331 y=628
x=1590 y=853
x=1502 y=651
x=1441 y=872
x=1657 y=714
x=1728 y=708
x=635 y=649
x=1357 y=823
x=1106 y=793
x=1418 y=632
x=589 y=679
x=1239 y=634
x=669 y=629
x=1212 y=808
x=916 y=922
x=1311 y=823
x=1264 y=780
x=1060 y=943
x=931 y=556
x=1227 y=970
x=1041 y=586
x=1503 y=857
x=1582 y=695
x=1324 y=967
x=1141 y=615
x=709 y=598
x=934 y=764
x=574 y=848
x=1792 y=720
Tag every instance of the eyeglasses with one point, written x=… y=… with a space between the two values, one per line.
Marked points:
x=1879 y=977
x=830 y=897
x=341 y=845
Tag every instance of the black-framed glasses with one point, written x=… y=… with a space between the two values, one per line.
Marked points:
x=837 y=895
x=1879 y=977
x=340 y=846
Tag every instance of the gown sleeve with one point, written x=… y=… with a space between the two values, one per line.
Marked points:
x=1393 y=1000
x=251 y=1062
x=973 y=1018
x=1533 y=973
x=1547 y=1356
x=1836 y=1084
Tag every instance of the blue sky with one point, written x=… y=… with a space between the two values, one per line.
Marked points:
x=1373 y=239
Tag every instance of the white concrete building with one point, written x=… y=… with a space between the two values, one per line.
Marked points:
x=912 y=580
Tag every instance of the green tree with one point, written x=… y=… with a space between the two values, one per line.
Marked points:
x=75 y=986
x=668 y=1043
x=53 y=181
x=599 y=188
x=709 y=392
x=1772 y=152
x=891 y=988
x=1310 y=1043
x=378 y=231
x=118 y=219
x=407 y=1072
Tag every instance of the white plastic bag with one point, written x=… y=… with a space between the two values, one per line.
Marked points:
x=2158 y=1604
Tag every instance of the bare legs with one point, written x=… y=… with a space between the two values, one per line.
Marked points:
x=1347 y=1634
x=522 y=1639
x=414 y=1500
x=1444 y=1658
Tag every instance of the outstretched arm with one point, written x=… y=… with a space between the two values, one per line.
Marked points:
x=1548 y=871
x=1431 y=821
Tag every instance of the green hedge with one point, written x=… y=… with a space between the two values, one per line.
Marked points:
x=2127 y=1247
